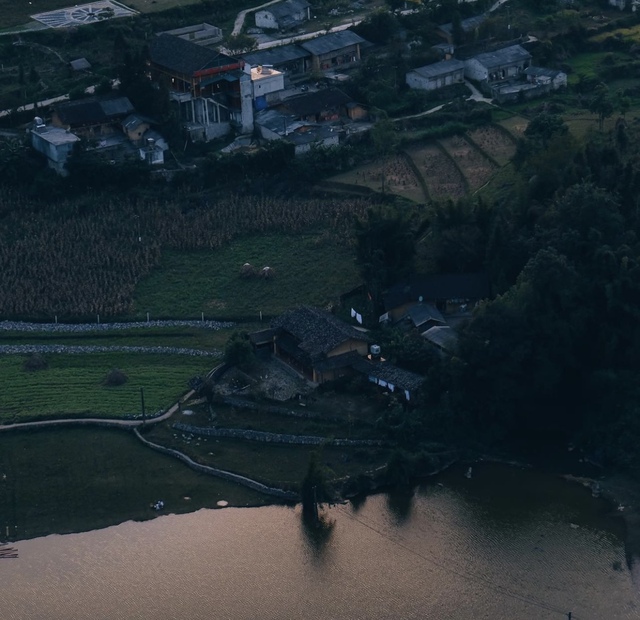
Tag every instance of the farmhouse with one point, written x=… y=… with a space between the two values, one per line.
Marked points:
x=92 y=117
x=275 y=125
x=325 y=105
x=283 y=15
x=449 y=293
x=437 y=75
x=212 y=91
x=333 y=50
x=323 y=348
x=498 y=65
x=316 y=343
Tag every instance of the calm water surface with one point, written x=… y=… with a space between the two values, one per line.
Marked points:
x=507 y=543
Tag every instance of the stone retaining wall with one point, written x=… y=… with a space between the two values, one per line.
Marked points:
x=220 y=473
x=250 y=435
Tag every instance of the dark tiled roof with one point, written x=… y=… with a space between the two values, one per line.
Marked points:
x=421 y=313
x=385 y=371
x=276 y=55
x=262 y=337
x=443 y=67
x=442 y=336
x=469 y=24
x=331 y=42
x=505 y=56
x=287 y=8
x=317 y=331
x=438 y=287
x=183 y=56
x=93 y=111
x=314 y=103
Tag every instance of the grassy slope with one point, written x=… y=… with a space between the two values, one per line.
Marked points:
x=72 y=385
x=308 y=268
x=70 y=480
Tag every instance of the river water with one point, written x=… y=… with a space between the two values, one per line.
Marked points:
x=507 y=543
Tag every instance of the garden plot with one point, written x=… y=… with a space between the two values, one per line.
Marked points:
x=392 y=175
x=80 y=15
x=475 y=167
x=515 y=125
x=494 y=142
x=442 y=177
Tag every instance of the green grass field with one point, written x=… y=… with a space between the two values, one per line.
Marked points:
x=61 y=481
x=73 y=384
x=309 y=269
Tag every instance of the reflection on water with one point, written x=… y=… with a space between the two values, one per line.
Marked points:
x=504 y=544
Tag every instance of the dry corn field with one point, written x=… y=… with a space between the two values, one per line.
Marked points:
x=495 y=142
x=476 y=168
x=84 y=258
x=441 y=176
x=392 y=174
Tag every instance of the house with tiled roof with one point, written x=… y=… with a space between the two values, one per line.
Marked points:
x=500 y=64
x=448 y=292
x=92 y=117
x=212 y=91
x=317 y=343
x=322 y=348
x=283 y=15
x=436 y=75
x=336 y=50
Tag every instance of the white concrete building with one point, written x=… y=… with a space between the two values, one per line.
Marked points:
x=437 y=75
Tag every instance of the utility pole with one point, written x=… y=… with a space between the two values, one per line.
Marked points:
x=144 y=415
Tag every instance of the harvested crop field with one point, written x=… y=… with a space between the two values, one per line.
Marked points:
x=515 y=125
x=392 y=174
x=442 y=177
x=476 y=168
x=495 y=142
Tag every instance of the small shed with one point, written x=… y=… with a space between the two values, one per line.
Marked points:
x=549 y=77
x=80 y=64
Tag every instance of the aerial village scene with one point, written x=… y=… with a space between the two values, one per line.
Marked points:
x=324 y=307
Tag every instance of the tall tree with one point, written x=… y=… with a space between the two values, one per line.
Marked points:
x=385 y=250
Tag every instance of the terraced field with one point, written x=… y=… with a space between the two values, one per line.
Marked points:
x=475 y=167
x=392 y=174
x=515 y=125
x=445 y=169
x=442 y=177
x=494 y=142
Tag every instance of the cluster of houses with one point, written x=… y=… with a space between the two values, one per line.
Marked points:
x=108 y=124
x=321 y=347
x=254 y=94
x=504 y=73
x=216 y=94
